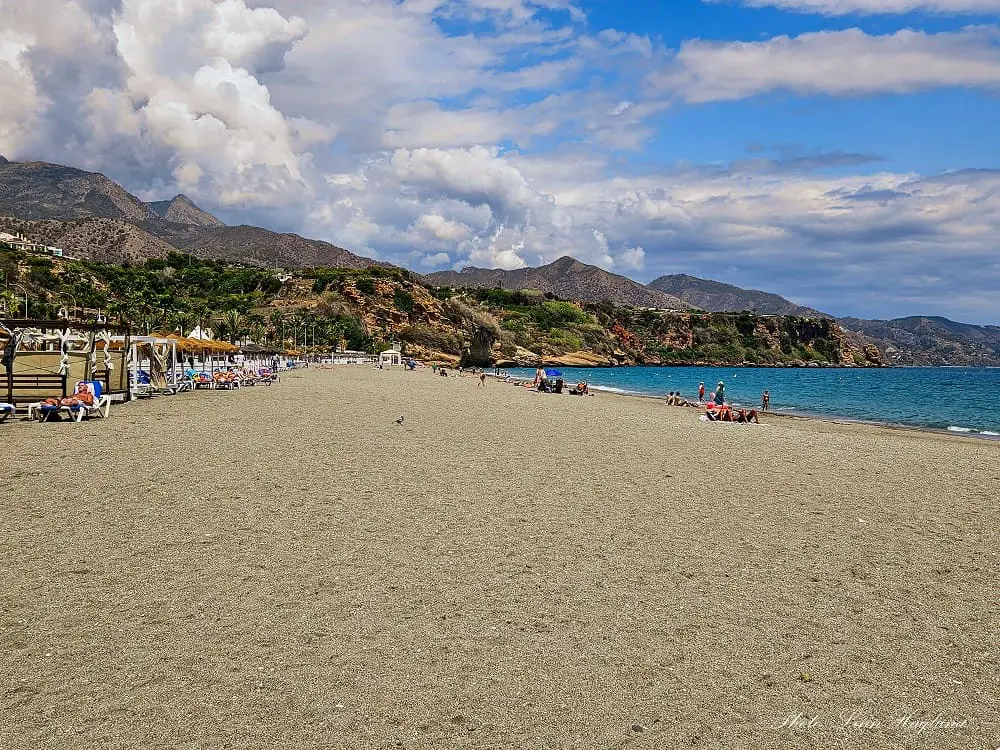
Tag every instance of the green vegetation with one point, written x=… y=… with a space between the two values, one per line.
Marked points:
x=177 y=293
x=361 y=309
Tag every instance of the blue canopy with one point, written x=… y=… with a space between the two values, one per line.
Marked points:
x=553 y=373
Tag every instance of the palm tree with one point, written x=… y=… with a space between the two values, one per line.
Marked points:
x=258 y=332
x=8 y=303
x=181 y=321
x=233 y=322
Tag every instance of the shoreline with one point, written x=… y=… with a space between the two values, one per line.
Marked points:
x=803 y=416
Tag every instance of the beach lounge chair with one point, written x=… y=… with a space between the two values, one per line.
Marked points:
x=142 y=385
x=203 y=380
x=6 y=411
x=101 y=406
x=226 y=381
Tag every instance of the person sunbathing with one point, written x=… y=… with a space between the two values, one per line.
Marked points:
x=746 y=417
x=82 y=396
x=718 y=413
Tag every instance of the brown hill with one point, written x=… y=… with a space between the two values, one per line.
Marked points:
x=181 y=210
x=260 y=247
x=79 y=205
x=106 y=240
x=567 y=278
x=930 y=341
x=39 y=191
x=714 y=296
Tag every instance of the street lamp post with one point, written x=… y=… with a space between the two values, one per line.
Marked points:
x=73 y=298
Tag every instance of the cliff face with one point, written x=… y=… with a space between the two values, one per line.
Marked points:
x=734 y=338
x=526 y=329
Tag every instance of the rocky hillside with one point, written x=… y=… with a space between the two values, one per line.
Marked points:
x=260 y=247
x=181 y=210
x=931 y=341
x=566 y=278
x=33 y=192
x=36 y=190
x=105 y=240
x=715 y=296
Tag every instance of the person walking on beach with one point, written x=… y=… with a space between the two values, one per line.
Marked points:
x=765 y=401
x=701 y=392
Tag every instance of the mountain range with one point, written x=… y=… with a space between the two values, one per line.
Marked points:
x=91 y=216
x=567 y=278
x=718 y=297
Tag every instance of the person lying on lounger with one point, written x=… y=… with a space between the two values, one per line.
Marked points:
x=82 y=396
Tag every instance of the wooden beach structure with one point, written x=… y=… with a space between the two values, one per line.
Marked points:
x=45 y=358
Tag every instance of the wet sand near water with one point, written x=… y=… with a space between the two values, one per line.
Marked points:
x=285 y=567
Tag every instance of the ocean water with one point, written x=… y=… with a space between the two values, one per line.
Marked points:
x=958 y=399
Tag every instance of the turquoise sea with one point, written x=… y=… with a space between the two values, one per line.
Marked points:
x=957 y=399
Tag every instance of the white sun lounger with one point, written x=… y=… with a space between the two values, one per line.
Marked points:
x=101 y=407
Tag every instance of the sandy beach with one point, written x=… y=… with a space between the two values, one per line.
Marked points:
x=287 y=568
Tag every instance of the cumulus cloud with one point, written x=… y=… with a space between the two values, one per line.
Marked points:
x=872 y=7
x=839 y=63
x=436 y=260
x=443 y=229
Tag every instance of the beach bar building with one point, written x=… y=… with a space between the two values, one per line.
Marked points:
x=391 y=358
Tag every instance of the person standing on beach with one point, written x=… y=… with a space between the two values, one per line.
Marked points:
x=720 y=394
x=765 y=401
x=482 y=380
x=701 y=392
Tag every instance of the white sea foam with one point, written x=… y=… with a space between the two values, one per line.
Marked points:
x=622 y=391
x=960 y=429
x=990 y=433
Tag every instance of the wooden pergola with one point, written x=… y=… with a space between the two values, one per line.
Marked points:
x=41 y=358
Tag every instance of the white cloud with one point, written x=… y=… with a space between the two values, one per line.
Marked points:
x=872 y=7
x=18 y=92
x=441 y=228
x=840 y=63
x=631 y=259
x=436 y=260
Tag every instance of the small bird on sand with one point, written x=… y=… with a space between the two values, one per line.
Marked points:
x=399 y=421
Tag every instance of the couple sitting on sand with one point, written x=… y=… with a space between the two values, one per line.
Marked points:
x=724 y=413
x=675 y=399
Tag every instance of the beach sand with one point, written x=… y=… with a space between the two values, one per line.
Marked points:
x=285 y=567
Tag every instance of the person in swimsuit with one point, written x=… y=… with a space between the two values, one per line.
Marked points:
x=701 y=392
x=81 y=396
x=765 y=401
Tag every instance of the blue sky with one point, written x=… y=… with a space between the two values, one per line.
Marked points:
x=839 y=152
